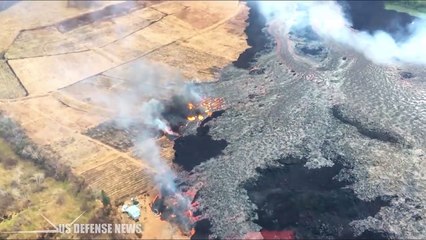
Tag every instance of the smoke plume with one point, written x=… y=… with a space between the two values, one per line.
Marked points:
x=328 y=20
x=140 y=101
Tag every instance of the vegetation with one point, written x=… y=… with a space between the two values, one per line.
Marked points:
x=413 y=7
x=105 y=199
x=33 y=183
x=26 y=193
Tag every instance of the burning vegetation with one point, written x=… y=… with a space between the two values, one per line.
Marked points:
x=180 y=110
x=204 y=108
x=175 y=204
x=177 y=208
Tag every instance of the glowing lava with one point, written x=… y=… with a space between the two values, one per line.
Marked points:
x=178 y=208
x=192 y=232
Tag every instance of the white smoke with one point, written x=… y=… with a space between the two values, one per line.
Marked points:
x=137 y=103
x=151 y=115
x=328 y=20
x=148 y=150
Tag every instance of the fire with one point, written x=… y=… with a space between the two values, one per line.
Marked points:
x=179 y=209
x=190 y=106
x=212 y=104
x=203 y=109
x=190 y=118
x=170 y=132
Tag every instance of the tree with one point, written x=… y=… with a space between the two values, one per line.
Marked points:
x=106 y=201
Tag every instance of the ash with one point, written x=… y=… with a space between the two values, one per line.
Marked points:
x=110 y=133
x=319 y=109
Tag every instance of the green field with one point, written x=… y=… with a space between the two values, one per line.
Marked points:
x=27 y=193
x=413 y=7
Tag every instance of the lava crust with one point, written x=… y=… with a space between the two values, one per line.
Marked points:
x=339 y=109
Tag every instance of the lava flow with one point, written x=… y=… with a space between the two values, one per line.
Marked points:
x=177 y=208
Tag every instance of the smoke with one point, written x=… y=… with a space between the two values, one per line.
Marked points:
x=135 y=94
x=148 y=150
x=151 y=93
x=328 y=20
x=138 y=100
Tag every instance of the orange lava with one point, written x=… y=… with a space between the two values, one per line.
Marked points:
x=192 y=232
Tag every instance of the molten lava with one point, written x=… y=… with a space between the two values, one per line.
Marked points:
x=177 y=209
x=192 y=232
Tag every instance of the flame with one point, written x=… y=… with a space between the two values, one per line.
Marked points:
x=190 y=106
x=170 y=132
x=182 y=214
x=203 y=109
